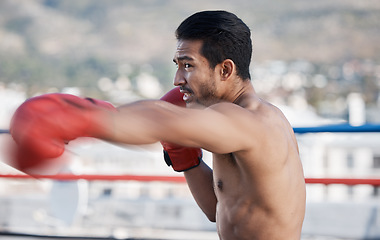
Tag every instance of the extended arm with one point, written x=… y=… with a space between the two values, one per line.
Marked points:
x=221 y=129
x=55 y=119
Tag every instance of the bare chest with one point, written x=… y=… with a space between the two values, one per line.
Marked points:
x=226 y=171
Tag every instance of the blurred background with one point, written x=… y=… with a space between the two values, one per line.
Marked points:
x=318 y=61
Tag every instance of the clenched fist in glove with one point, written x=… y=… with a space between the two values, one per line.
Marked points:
x=180 y=158
x=42 y=126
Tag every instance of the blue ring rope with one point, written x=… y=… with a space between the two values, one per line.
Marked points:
x=334 y=128
x=338 y=128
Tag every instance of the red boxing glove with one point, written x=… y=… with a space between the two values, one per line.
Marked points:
x=42 y=126
x=180 y=158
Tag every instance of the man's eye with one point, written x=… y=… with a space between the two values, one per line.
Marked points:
x=187 y=65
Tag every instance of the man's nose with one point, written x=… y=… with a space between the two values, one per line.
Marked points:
x=179 y=79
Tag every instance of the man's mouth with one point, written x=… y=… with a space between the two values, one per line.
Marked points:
x=187 y=94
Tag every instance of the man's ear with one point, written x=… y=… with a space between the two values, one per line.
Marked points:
x=227 y=69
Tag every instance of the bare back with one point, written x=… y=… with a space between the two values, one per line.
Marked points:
x=261 y=193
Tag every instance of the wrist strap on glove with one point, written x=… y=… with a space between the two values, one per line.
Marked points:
x=183 y=158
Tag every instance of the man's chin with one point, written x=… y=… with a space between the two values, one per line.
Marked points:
x=196 y=105
x=191 y=105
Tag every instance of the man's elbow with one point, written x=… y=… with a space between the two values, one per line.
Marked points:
x=210 y=213
x=211 y=217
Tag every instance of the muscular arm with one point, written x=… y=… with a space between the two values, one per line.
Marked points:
x=221 y=129
x=200 y=182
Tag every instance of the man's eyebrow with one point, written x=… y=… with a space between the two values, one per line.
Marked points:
x=182 y=58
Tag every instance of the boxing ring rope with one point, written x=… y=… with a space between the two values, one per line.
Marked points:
x=3 y=131
x=177 y=179
x=336 y=128
x=103 y=177
x=339 y=128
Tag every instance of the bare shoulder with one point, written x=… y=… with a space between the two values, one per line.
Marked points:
x=276 y=140
x=254 y=123
x=258 y=116
x=262 y=125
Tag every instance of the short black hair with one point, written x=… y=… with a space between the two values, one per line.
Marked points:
x=224 y=36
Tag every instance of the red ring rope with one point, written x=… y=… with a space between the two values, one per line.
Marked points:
x=93 y=177
x=345 y=181
x=179 y=179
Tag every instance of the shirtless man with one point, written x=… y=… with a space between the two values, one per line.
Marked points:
x=256 y=189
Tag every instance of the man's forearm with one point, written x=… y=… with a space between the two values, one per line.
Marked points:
x=200 y=182
x=141 y=122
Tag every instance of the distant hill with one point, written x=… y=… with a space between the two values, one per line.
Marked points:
x=63 y=43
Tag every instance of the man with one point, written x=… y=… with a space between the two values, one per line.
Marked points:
x=256 y=189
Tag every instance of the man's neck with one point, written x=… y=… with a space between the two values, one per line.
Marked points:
x=243 y=92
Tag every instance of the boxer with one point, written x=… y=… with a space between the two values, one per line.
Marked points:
x=255 y=189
